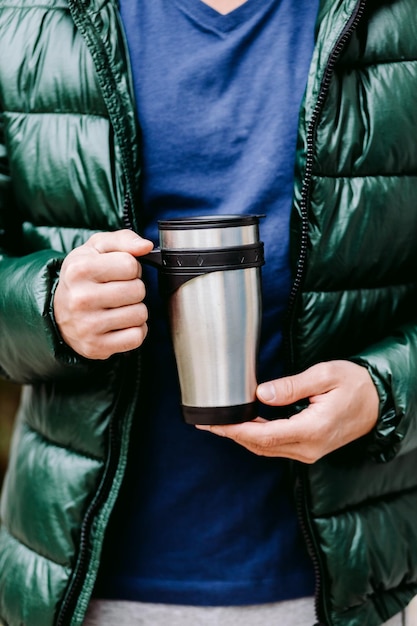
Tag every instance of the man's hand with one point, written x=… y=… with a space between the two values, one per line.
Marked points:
x=98 y=303
x=344 y=406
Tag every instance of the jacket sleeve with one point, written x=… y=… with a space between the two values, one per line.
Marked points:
x=392 y=364
x=30 y=346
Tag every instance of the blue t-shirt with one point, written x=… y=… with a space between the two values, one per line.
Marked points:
x=201 y=520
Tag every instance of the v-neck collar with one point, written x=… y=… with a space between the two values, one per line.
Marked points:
x=205 y=14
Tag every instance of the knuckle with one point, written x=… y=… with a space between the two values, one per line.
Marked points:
x=267 y=442
x=131 y=265
x=90 y=351
x=135 y=340
x=312 y=451
x=95 y=239
x=136 y=291
x=79 y=300
x=144 y=331
x=324 y=371
x=288 y=386
x=142 y=290
x=310 y=458
x=76 y=269
x=86 y=335
x=263 y=446
x=143 y=313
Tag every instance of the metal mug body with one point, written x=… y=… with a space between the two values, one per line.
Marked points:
x=215 y=321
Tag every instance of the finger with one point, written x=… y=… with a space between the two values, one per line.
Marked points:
x=270 y=433
x=254 y=438
x=101 y=268
x=116 y=294
x=115 y=342
x=289 y=389
x=124 y=293
x=126 y=339
x=122 y=318
x=120 y=241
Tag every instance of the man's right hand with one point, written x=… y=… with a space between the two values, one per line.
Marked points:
x=98 y=303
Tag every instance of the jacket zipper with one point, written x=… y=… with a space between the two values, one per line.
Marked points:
x=127 y=214
x=116 y=107
x=128 y=375
x=301 y=495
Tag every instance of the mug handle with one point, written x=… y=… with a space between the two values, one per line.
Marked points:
x=153 y=258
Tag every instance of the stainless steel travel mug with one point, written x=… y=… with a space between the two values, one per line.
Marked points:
x=211 y=274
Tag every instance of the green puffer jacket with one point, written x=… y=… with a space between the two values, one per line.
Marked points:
x=69 y=167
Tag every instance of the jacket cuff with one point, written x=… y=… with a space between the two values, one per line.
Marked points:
x=63 y=352
x=385 y=439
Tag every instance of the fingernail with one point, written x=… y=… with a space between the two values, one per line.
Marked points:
x=266 y=392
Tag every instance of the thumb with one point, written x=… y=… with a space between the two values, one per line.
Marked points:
x=290 y=389
x=120 y=241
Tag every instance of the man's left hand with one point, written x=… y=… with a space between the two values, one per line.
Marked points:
x=343 y=406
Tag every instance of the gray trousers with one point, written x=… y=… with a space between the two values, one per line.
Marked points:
x=291 y=613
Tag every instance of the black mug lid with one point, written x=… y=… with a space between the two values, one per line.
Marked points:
x=208 y=221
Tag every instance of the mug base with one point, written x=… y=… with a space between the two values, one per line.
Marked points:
x=213 y=415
